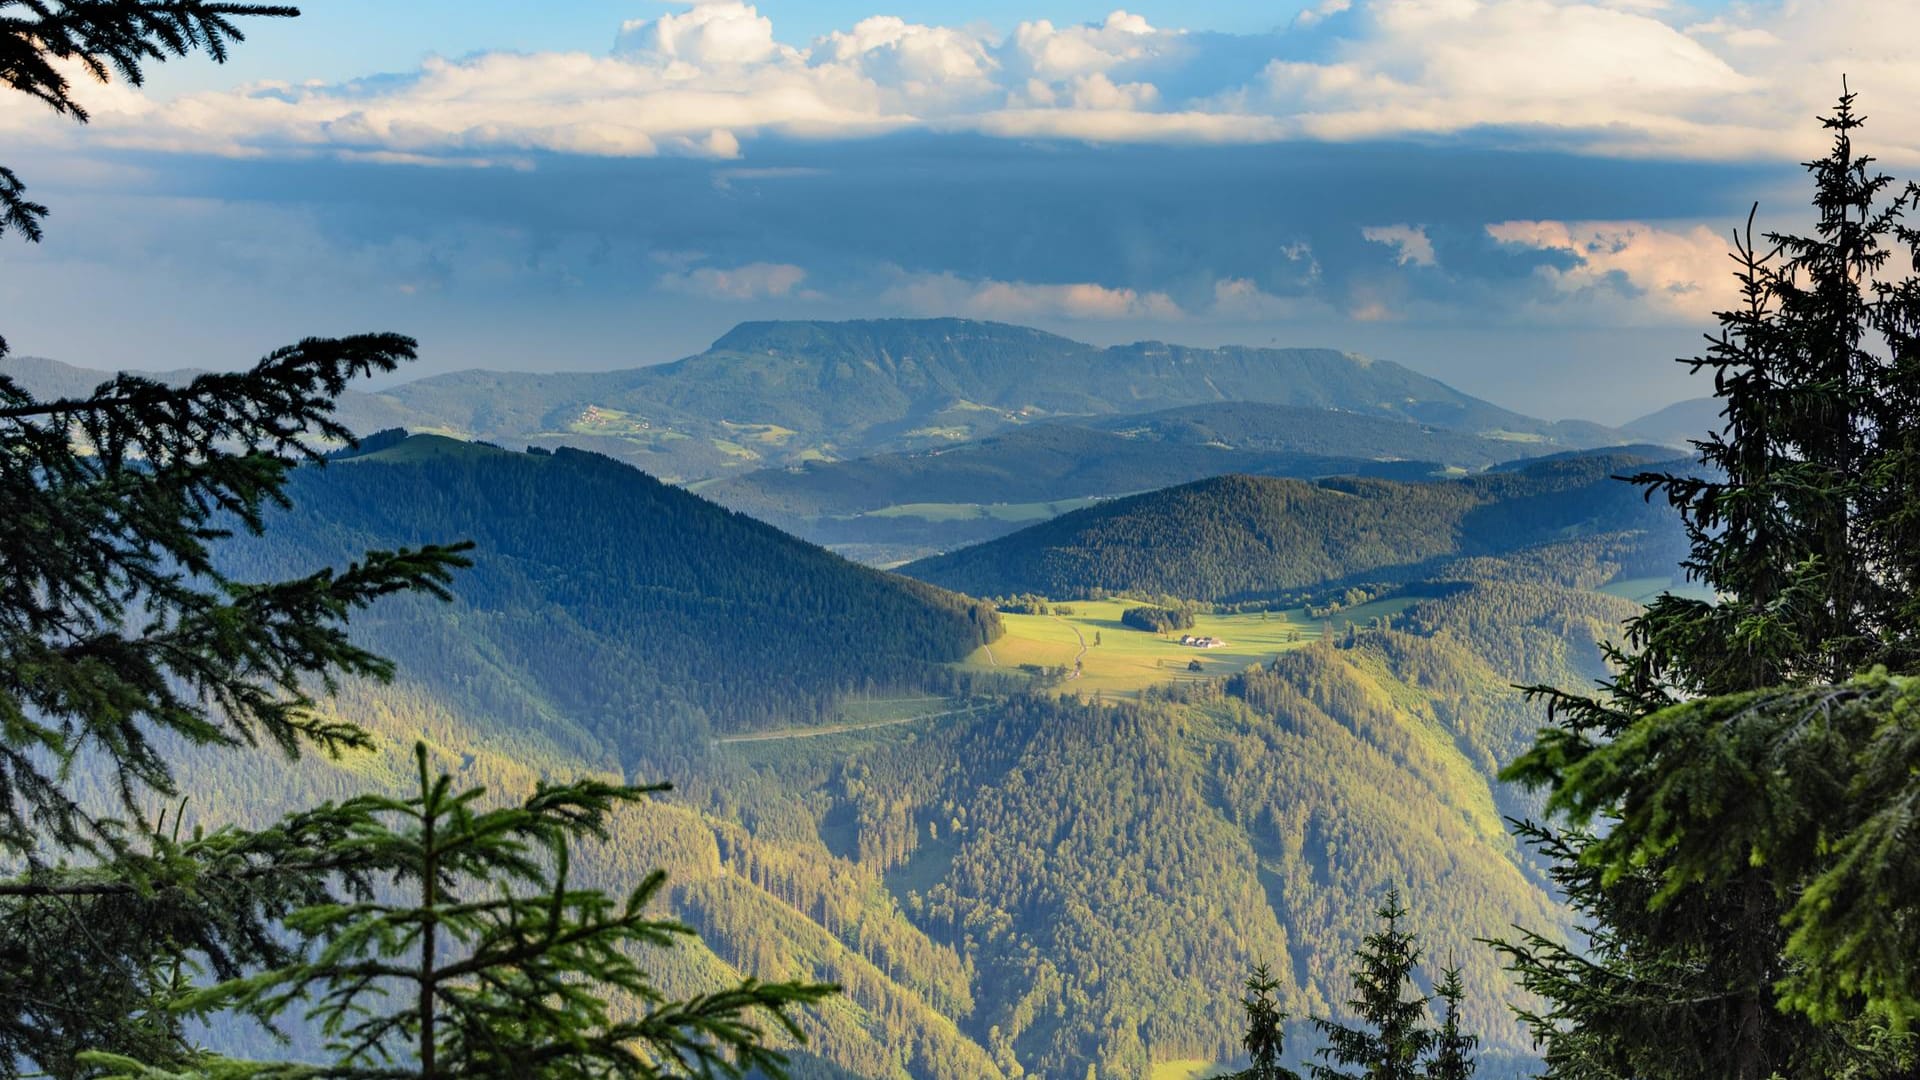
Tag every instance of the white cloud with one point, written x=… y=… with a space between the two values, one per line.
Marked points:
x=1057 y=53
x=754 y=281
x=1685 y=272
x=716 y=32
x=1098 y=92
x=950 y=294
x=925 y=64
x=1409 y=242
x=1606 y=76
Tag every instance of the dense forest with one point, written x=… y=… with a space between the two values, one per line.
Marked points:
x=1026 y=887
x=606 y=601
x=1240 y=537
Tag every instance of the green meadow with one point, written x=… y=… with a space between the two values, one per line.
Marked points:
x=1126 y=660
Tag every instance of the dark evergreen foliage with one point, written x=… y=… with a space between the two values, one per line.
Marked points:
x=1452 y=1047
x=643 y=614
x=1390 y=1037
x=1717 y=944
x=1240 y=537
x=1265 y=1040
x=1155 y=620
x=494 y=963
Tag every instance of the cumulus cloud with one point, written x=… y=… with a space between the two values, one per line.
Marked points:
x=1057 y=53
x=717 y=32
x=927 y=65
x=1409 y=242
x=1685 y=273
x=950 y=294
x=1615 y=76
x=754 y=281
x=1600 y=76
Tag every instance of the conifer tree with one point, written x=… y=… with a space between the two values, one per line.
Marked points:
x=1452 y=1048
x=1725 y=816
x=120 y=638
x=1265 y=1039
x=1391 y=1037
x=105 y=39
x=478 y=957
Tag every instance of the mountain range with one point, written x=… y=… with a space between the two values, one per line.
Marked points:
x=892 y=506
x=879 y=781
x=785 y=393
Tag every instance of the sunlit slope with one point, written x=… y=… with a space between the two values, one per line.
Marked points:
x=604 y=601
x=1029 y=884
x=1112 y=869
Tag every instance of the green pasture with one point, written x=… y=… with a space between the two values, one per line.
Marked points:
x=1127 y=660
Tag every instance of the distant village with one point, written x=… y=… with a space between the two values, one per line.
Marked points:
x=1201 y=642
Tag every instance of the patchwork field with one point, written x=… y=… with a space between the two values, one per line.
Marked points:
x=1118 y=661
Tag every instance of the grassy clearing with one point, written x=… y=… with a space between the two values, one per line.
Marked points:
x=734 y=449
x=768 y=434
x=1127 y=660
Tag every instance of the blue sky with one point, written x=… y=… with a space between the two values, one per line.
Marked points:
x=1527 y=198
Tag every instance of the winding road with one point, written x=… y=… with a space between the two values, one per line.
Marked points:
x=1078 y=636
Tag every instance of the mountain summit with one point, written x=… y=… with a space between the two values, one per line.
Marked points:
x=782 y=393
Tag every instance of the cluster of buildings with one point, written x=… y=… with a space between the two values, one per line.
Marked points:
x=1201 y=642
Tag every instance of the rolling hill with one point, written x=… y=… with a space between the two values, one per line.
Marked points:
x=1236 y=537
x=607 y=601
x=915 y=503
x=786 y=392
x=1680 y=423
x=1008 y=883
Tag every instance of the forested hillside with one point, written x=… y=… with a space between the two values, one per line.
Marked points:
x=605 y=601
x=1010 y=885
x=925 y=501
x=1236 y=537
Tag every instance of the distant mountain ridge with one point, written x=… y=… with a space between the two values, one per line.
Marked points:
x=1235 y=537
x=918 y=502
x=781 y=393
x=1679 y=423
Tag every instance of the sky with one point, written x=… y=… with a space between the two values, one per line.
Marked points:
x=1529 y=199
